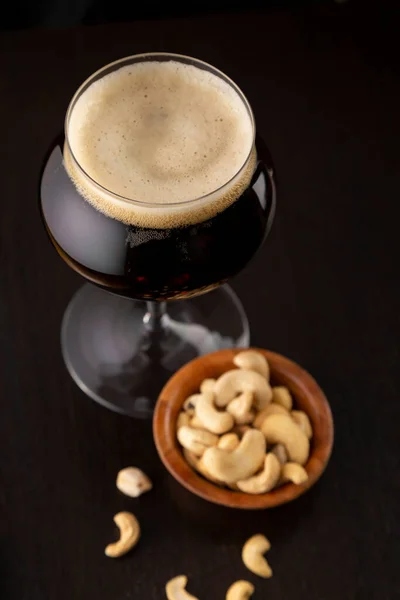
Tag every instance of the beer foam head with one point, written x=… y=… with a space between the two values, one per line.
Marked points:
x=160 y=134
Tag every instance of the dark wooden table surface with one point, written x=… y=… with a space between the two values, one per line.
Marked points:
x=324 y=290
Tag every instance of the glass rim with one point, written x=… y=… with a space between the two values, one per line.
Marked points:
x=149 y=56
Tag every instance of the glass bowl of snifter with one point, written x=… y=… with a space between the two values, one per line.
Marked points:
x=158 y=193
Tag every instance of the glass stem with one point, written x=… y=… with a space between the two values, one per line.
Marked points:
x=153 y=319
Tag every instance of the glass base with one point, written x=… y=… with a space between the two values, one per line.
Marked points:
x=122 y=362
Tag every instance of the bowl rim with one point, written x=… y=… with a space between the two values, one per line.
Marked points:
x=169 y=450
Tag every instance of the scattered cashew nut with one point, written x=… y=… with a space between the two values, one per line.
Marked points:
x=240 y=408
x=175 y=589
x=129 y=534
x=240 y=590
x=293 y=472
x=207 y=385
x=228 y=442
x=196 y=440
x=266 y=480
x=236 y=381
x=133 y=482
x=241 y=463
x=252 y=555
x=271 y=409
x=253 y=361
x=280 y=452
x=303 y=421
x=282 y=396
x=281 y=429
x=214 y=420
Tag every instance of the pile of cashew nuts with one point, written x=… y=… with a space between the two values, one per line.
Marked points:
x=241 y=433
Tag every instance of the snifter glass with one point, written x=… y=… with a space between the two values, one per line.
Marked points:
x=120 y=338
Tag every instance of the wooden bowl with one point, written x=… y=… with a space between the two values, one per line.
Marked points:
x=307 y=396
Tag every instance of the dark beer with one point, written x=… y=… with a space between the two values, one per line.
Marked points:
x=159 y=191
x=156 y=264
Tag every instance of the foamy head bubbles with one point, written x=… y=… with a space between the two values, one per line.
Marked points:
x=160 y=134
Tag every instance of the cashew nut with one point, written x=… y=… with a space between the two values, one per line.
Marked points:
x=271 y=409
x=266 y=480
x=240 y=408
x=228 y=442
x=133 y=482
x=252 y=555
x=281 y=396
x=294 y=472
x=196 y=440
x=240 y=590
x=214 y=420
x=303 y=421
x=191 y=458
x=207 y=385
x=236 y=381
x=196 y=463
x=246 y=419
x=190 y=403
x=202 y=469
x=129 y=534
x=196 y=423
x=240 y=430
x=281 y=429
x=253 y=361
x=183 y=419
x=175 y=589
x=280 y=452
x=241 y=463
x=233 y=487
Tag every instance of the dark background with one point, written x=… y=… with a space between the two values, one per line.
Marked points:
x=45 y=13
x=55 y=13
x=324 y=84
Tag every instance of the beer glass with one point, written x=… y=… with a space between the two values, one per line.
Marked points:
x=157 y=294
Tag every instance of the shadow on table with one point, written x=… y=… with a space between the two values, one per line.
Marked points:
x=214 y=522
